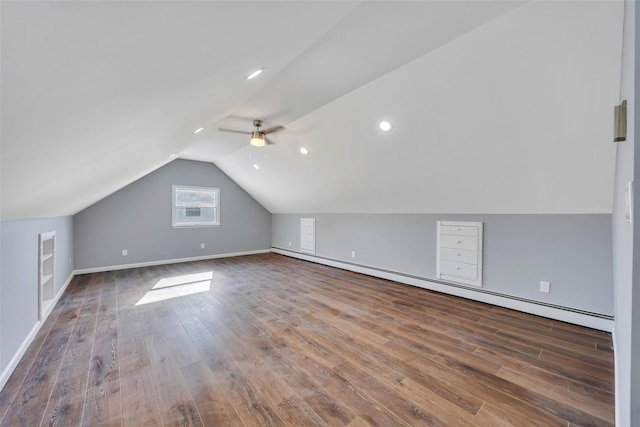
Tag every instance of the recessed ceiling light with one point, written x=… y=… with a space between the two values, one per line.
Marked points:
x=385 y=126
x=304 y=151
x=198 y=130
x=256 y=73
x=255 y=165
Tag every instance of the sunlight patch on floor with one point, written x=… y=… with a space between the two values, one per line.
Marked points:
x=178 y=286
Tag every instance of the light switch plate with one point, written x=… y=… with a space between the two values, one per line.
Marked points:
x=628 y=203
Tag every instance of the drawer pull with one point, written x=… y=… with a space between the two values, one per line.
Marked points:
x=458 y=241
x=457 y=268
x=458 y=254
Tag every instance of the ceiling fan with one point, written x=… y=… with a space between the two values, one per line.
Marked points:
x=258 y=137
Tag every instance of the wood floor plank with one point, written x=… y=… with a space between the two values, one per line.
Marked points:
x=499 y=415
x=294 y=411
x=66 y=403
x=139 y=404
x=358 y=422
x=371 y=357
x=251 y=407
x=209 y=391
x=277 y=341
x=583 y=373
x=28 y=407
x=558 y=390
x=12 y=387
x=175 y=403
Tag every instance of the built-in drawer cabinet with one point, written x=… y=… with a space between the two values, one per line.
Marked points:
x=459 y=255
x=459 y=252
x=308 y=235
x=459 y=242
x=459 y=269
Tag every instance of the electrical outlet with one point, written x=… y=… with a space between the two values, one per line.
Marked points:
x=353 y=254
x=124 y=252
x=289 y=243
x=545 y=287
x=201 y=245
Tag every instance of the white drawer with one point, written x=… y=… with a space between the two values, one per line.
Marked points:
x=459 y=255
x=459 y=230
x=459 y=269
x=459 y=242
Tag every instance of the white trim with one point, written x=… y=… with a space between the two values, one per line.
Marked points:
x=167 y=261
x=514 y=304
x=6 y=374
x=617 y=365
x=174 y=206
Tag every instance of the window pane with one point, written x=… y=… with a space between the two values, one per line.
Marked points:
x=185 y=215
x=195 y=198
x=195 y=206
x=192 y=212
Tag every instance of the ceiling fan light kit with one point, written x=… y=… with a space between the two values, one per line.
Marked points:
x=257 y=139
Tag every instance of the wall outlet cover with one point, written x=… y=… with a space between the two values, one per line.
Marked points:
x=545 y=286
x=124 y=252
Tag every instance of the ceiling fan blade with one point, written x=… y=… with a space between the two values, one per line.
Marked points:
x=273 y=129
x=234 y=131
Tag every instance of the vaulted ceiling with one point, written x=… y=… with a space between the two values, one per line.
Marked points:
x=496 y=107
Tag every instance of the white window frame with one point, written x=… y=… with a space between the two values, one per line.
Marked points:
x=174 y=217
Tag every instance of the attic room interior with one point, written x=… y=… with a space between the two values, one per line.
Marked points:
x=349 y=213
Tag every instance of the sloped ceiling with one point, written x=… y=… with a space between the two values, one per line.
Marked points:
x=497 y=107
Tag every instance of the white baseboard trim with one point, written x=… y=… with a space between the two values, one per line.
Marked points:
x=168 y=261
x=568 y=316
x=617 y=392
x=6 y=374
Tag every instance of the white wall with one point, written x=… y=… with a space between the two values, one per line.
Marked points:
x=627 y=401
x=513 y=117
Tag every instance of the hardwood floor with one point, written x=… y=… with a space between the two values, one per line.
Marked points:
x=270 y=340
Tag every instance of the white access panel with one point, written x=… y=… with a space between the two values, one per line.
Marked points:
x=308 y=235
x=459 y=252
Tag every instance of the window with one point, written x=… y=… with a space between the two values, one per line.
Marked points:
x=195 y=206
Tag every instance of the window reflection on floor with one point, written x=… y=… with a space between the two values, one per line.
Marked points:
x=178 y=286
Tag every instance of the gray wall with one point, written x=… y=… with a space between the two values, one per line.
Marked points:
x=573 y=252
x=138 y=218
x=19 y=276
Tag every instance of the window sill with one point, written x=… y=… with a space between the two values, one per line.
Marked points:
x=195 y=225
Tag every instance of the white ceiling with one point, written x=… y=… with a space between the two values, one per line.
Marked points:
x=498 y=107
